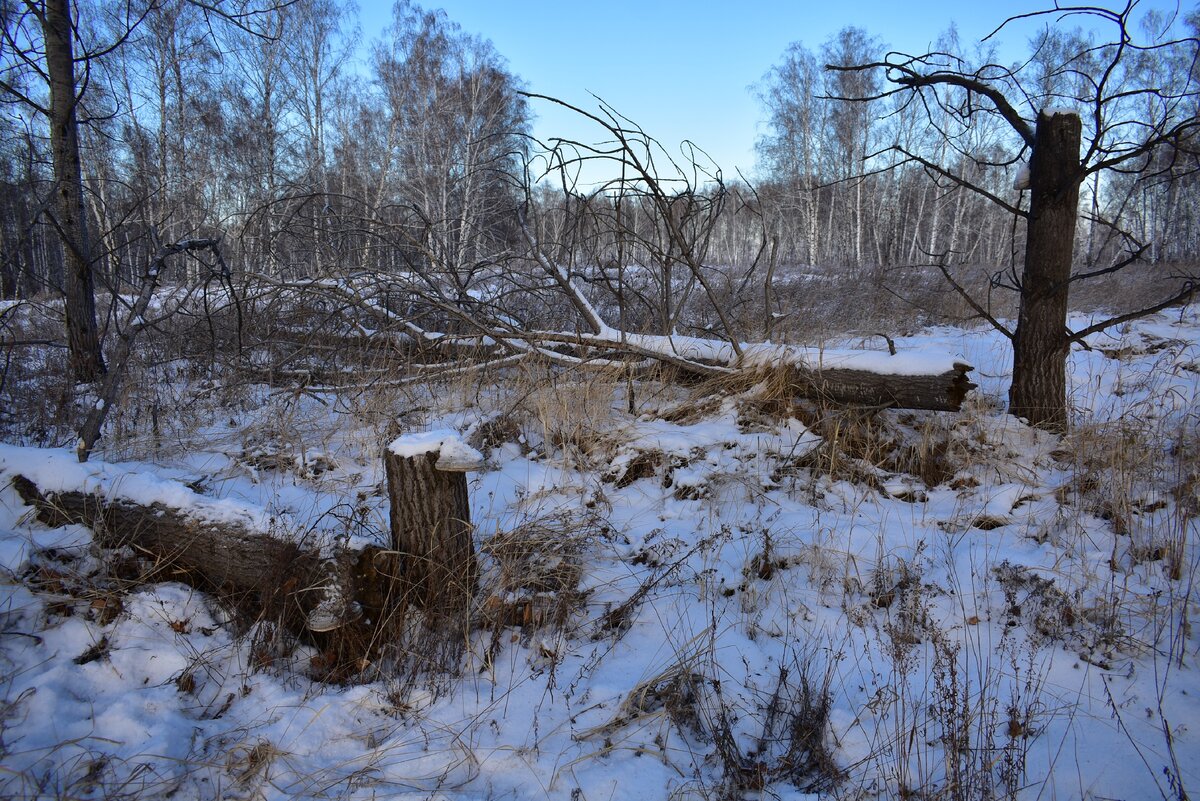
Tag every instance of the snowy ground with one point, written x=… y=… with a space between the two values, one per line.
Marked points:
x=955 y=604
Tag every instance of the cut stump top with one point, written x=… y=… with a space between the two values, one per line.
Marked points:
x=454 y=455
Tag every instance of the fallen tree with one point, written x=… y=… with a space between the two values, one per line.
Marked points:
x=352 y=603
x=935 y=381
x=260 y=574
x=558 y=294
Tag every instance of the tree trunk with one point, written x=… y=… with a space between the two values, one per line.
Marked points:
x=1040 y=346
x=431 y=530
x=87 y=362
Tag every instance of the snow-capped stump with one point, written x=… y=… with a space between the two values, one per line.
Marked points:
x=449 y=452
x=431 y=518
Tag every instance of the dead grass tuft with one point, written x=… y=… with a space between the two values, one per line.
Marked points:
x=537 y=569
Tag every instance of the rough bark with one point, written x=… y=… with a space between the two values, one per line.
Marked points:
x=262 y=576
x=1040 y=344
x=944 y=392
x=83 y=340
x=431 y=531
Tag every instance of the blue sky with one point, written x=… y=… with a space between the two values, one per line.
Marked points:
x=682 y=70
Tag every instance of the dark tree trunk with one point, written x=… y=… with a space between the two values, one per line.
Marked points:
x=83 y=340
x=431 y=530
x=1040 y=346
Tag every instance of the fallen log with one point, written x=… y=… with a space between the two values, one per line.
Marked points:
x=343 y=604
x=852 y=378
x=931 y=381
x=941 y=392
x=262 y=576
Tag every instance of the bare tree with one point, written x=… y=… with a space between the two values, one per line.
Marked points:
x=790 y=93
x=1121 y=123
x=51 y=59
x=455 y=133
x=320 y=49
x=40 y=40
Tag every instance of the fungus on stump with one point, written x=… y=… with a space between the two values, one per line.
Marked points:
x=431 y=518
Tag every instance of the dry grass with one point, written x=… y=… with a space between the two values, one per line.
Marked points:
x=536 y=571
x=1141 y=480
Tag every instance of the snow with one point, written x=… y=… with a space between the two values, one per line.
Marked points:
x=60 y=471
x=927 y=361
x=1017 y=593
x=923 y=361
x=453 y=452
x=1021 y=181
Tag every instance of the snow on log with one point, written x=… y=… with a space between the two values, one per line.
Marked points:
x=929 y=380
x=260 y=573
x=219 y=546
x=942 y=392
x=431 y=518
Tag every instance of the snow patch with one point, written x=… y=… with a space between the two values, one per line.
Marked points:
x=1021 y=182
x=453 y=452
x=61 y=471
x=1056 y=111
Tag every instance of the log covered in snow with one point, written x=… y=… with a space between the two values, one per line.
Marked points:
x=261 y=575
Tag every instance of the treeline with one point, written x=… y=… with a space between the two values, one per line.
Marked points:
x=891 y=181
x=256 y=125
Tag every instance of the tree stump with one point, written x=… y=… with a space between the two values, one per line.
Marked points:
x=431 y=519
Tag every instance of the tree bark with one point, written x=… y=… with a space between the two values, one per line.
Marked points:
x=944 y=392
x=83 y=340
x=431 y=530
x=261 y=575
x=1040 y=346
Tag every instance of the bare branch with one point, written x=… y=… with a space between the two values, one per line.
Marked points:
x=1178 y=299
x=911 y=78
x=982 y=312
x=581 y=304
x=912 y=157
